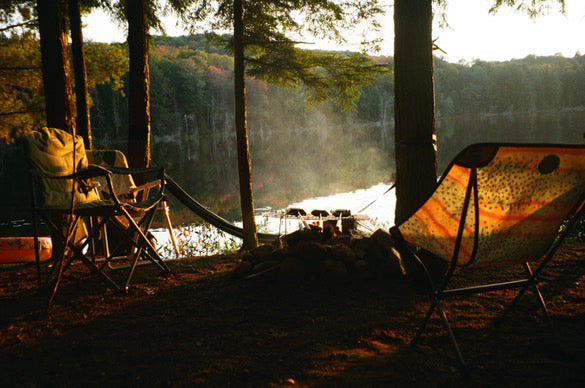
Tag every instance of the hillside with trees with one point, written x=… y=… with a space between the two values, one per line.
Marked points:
x=298 y=149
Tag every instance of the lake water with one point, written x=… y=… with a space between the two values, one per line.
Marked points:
x=220 y=192
x=454 y=134
x=197 y=240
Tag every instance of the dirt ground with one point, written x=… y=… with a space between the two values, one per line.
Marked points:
x=200 y=327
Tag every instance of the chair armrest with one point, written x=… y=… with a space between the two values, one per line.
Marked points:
x=146 y=186
x=82 y=180
x=92 y=171
x=159 y=181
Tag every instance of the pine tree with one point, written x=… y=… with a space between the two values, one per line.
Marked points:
x=415 y=131
x=263 y=48
x=80 y=74
x=55 y=64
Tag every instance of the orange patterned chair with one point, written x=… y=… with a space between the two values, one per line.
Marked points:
x=496 y=205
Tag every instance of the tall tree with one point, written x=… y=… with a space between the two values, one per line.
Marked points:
x=262 y=39
x=139 y=84
x=55 y=64
x=250 y=237
x=415 y=131
x=80 y=73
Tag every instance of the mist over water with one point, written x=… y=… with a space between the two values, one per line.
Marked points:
x=205 y=240
x=297 y=152
x=315 y=161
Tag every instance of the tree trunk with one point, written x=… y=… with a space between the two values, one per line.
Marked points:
x=139 y=85
x=415 y=132
x=80 y=72
x=244 y=161
x=56 y=83
x=55 y=65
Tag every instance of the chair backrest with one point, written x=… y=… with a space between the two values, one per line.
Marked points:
x=123 y=183
x=50 y=151
x=513 y=197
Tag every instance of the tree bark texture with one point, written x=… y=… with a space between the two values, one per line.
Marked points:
x=241 y=122
x=55 y=65
x=139 y=85
x=80 y=72
x=415 y=130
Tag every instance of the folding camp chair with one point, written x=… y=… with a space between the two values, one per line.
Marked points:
x=496 y=205
x=127 y=191
x=62 y=196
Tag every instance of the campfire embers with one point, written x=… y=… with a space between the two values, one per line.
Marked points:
x=323 y=254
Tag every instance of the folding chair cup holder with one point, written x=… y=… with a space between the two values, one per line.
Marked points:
x=496 y=205
x=80 y=216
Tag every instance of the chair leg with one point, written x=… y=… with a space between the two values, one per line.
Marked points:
x=61 y=263
x=37 y=248
x=422 y=328
x=547 y=317
x=93 y=267
x=170 y=227
x=132 y=268
x=498 y=322
x=143 y=245
x=532 y=282
x=437 y=305
x=148 y=248
x=452 y=337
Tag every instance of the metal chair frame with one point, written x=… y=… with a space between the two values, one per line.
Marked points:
x=98 y=216
x=439 y=293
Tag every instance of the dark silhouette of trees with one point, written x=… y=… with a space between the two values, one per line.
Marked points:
x=415 y=132
x=80 y=74
x=55 y=64
x=139 y=84
x=261 y=39
x=250 y=238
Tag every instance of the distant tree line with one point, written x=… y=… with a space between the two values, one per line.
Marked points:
x=299 y=150
x=531 y=84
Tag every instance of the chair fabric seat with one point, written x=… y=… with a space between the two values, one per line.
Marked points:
x=520 y=208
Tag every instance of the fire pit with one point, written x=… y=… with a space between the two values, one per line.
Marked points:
x=324 y=254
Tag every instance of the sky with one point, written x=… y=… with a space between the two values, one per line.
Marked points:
x=472 y=33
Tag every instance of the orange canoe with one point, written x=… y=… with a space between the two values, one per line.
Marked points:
x=22 y=249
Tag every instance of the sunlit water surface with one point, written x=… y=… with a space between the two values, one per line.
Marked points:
x=196 y=240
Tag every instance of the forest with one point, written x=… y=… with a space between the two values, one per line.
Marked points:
x=299 y=149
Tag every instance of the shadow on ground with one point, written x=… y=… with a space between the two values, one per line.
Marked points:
x=202 y=327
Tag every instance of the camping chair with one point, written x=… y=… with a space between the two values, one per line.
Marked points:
x=496 y=205
x=124 y=185
x=59 y=168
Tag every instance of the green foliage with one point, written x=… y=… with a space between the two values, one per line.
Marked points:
x=532 y=84
x=299 y=150
x=273 y=28
x=21 y=97
x=533 y=8
x=21 y=100
x=16 y=11
x=106 y=64
x=326 y=75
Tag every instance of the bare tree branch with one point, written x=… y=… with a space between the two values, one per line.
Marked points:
x=18 y=25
